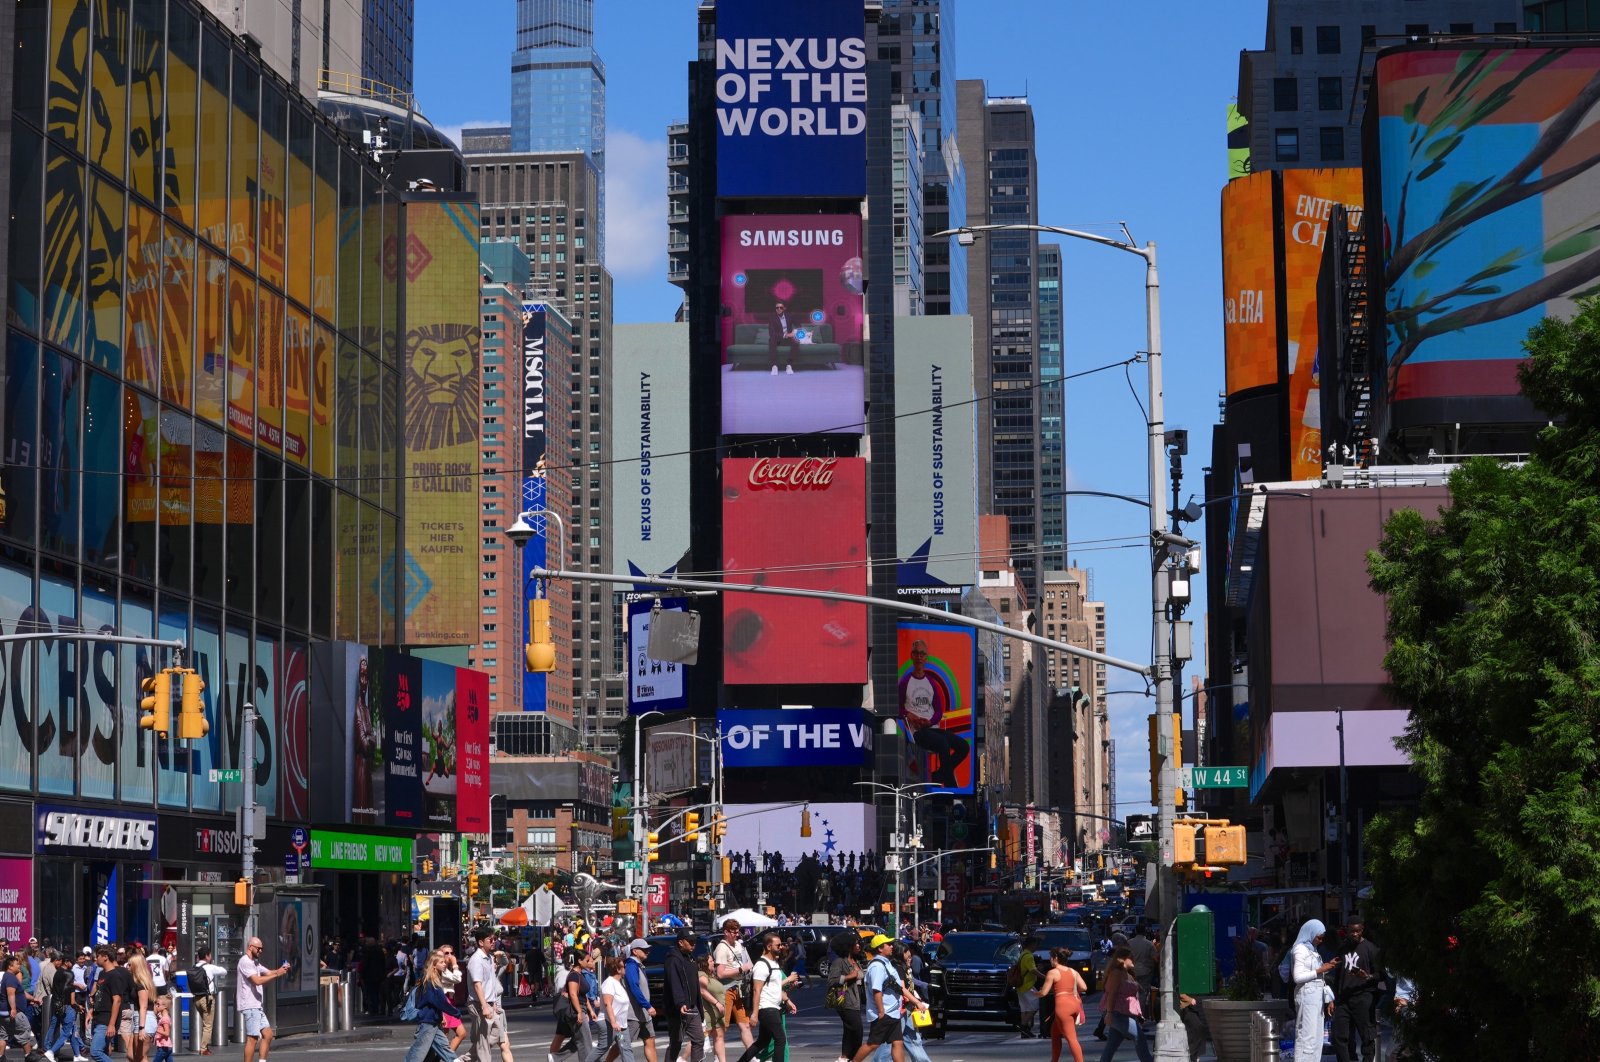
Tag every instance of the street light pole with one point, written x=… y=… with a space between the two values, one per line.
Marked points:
x=640 y=857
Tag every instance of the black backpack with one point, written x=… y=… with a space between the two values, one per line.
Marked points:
x=199 y=981
x=61 y=983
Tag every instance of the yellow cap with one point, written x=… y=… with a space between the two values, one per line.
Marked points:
x=880 y=940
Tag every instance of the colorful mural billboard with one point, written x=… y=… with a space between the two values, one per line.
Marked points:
x=1490 y=215
x=793 y=316
x=796 y=522
x=1249 y=288
x=938 y=679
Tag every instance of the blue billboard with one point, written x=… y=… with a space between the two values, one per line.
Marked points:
x=791 y=98
x=535 y=684
x=653 y=685
x=795 y=737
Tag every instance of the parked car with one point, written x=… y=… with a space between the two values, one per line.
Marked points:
x=967 y=980
x=1088 y=960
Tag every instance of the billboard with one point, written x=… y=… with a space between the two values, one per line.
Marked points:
x=796 y=522
x=670 y=761
x=535 y=433
x=653 y=685
x=1489 y=217
x=1249 y=291
x=365 y=733
x=1309 y=197
x=16 y=902
x=937 y=681
x=791 y=98
x=472 y=751
x=650 y=447
x=443 y=405
x=935 y=458
x=836 y=830
x=793 y=317
x=795 y=737
x=401 y=686
x=437 y=720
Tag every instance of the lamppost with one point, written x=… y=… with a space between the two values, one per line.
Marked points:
x=1171 y=1043
x=713 y=875
x=894 y=834
x=636 y=873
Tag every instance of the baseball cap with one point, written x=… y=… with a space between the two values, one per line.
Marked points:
x=685 y=933
x=880 y=940
x=32 y=941
x=87 y=951
x=639 y=944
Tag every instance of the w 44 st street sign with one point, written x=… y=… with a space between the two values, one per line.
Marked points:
x=1219 y=777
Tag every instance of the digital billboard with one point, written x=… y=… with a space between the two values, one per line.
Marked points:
x=1489 y=217
x=653 y=685
x=935 y=458
x=937 y=675
x=438 y=744
x=791 y=98
x=797 y=522
x=472 y=751
x=401 y=686
x=650 y=447
x=797 y=737
x=793 y=317
x=443 y=405
x=535 y=495
x=836 y=830
x=1249 y=293
x=1309 y=197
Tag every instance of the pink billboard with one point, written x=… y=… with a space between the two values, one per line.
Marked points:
x=793 y=316
x=472 y=751
x=16 y=902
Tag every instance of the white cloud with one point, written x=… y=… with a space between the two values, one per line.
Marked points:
x=636 y=205
x=454 y=131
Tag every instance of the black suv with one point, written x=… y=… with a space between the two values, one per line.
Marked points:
x=967 y=980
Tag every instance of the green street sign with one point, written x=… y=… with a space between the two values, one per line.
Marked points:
x=1219 y=777
x=234 y=775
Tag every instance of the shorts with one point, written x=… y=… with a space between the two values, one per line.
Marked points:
x=491 y=1030
x=1027 y=1002
x=125 y=1023
x=255 y=1020
x=885 y=1031
x=734 y=1002
x=150 y=1023
x=642 y=1027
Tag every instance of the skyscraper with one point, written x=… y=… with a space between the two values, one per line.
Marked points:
x=353 y=40
x=1052 y=411
x=558 y=88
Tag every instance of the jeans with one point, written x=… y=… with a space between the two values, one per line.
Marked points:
x=1120 y=1027
x=64 y=1027
x=97 y=1045
x=429 y=1037
x=770 y=1023
x=609 y=1036
x=1354 y=1017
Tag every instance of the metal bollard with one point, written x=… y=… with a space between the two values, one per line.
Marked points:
x=220 y=997
x=347 y=991
x=328 y=1006
x=1263 y=1038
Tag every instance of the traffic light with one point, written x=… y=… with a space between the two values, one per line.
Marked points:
x=192 y=722
x=541 y=647
x=805 y=822
x=652 y=847
x=472 y=878
x=156 y=708
x=719 y=829
x=691 y=826
x=427 y=867
x=994 y=861
x=727 y=870
x=1176 y=754
x=1225 y=845
x=1184 y=850
x=241 y=893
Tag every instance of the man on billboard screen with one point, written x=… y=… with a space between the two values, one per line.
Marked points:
x=936 y=682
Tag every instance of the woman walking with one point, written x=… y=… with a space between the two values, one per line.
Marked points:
x=618 y=1009
x=713 y=1009
x=1312 y=999
x=1124 y=1017
x=433 y=1005
x=143 y=1005
x=1069 y=989
x=844 y=990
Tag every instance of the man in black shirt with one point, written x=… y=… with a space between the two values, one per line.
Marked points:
x=113 y=991
x=1355 y=995
x=683 y=999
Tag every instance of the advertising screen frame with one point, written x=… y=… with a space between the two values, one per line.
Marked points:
x=946 y=727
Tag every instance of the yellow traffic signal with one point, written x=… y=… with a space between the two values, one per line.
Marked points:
x=652 y=847
x=427 y=867
x=156 y=708
x=472 y=878
x=1155 y=760
x=1225 y=845
x=805 y=822
x=727 y=870
x=1183 y=846
x=192 y=722
x=241 y=893
x=994 y=860
x=691 y=826
x=541 y=646
x=719 y=828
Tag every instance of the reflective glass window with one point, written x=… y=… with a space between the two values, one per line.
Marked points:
x=297 y=246
x=98 y=706
x=29 y=60
x=274 y=175
x=323 y=573
x=63 y=251
x=210 y=510
x=183 y=113
x=20 y=470
x=326 y=209
x=107 y=146
x=142 y=344
x=322 y=430
x=22 y=256
x=136 y=758
x=177 y=316
x=211 y=334
x=54 y=661
x=240 y=560
x=60 y=395
x=347 y=535
x=348 y=397
x=147 y=100
x=140 y=452
x=269 y=371
x=243 y=163
x=213 y=212
x=269 y=529
x=371 y=574
x=102 y=469
x=371 y=332
x=241 y=352
x=297 y=387
x=66 y=105
x=177 y=499
x=108 y=233
x=349 y=311
x=297 y=550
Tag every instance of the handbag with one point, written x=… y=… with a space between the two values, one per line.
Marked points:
x=834 y=998
x=922 y=1019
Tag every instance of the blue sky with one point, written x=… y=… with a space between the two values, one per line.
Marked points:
x=1129 y=107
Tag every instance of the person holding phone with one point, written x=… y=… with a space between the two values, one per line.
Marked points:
x=249 y=988
x=1311 y=995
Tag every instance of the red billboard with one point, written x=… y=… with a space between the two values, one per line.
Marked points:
x=472 y=751
x=797 y=522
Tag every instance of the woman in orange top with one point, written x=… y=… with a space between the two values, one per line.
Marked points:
x=1068 y=986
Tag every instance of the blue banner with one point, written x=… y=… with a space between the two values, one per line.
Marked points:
x=795 y=737
x=791 y=98
x=534 y=683
x=105 y=911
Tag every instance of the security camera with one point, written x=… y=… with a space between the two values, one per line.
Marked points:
x=520 y=532
x=966 y=237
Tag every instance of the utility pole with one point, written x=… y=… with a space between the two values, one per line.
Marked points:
x=247 y=817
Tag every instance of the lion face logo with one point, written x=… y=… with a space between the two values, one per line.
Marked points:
x=442 y=399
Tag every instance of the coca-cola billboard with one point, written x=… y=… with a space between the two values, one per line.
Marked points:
x=798 y=522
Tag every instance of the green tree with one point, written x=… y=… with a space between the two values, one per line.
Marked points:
x=1488 y=892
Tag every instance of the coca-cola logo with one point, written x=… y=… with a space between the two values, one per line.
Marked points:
x=806 y=473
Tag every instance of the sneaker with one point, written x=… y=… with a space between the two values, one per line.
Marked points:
x=788 y=369
x=774 y=370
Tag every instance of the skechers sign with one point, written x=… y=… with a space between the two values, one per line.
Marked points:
x=791 y=98
x=795 y=737
x=64 y=830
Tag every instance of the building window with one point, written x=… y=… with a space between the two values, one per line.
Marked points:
x=1297 y=40
x=1285 y=94
x=1416 y=29
x=1461 y=27
x=1331 y=143
x=1327 y=40
x=1369 y=36
x=1330 y=93
x=1288 y=145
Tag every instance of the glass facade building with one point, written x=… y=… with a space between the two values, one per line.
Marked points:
x=558 y=88
x=386 y=42
x=1052 y=412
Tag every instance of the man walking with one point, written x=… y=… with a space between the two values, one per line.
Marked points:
x=1355 y=996
x=112 y=992
x=731 y=963
x=884 y=1009
x=643 y=1024
x=486 y=993
x=66 y=996
x=683 y=1000
x=204 y=976
x=250 y=993
x=1144 y=964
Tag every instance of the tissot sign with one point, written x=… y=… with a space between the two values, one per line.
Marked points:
x=61 y=830
x=791 y=98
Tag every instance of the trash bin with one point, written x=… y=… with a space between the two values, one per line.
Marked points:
x=328 y=1005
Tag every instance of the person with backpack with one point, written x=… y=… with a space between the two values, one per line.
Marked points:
x=767 y=980
x=204 y=976
x=428 y=1004
x=885 y=992
x=64 y=1010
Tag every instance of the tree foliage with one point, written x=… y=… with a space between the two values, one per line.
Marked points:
x=1488 y=892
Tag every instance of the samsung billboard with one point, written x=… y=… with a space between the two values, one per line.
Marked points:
x=935 y=461
x=791 y=98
